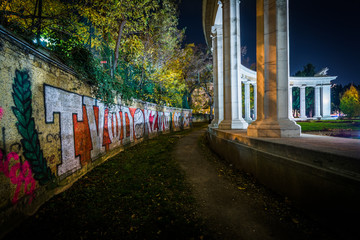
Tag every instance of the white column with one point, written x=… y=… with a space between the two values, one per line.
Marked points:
x=326 y=101
x=317 y=102
x=290 y=103
x=215 y=121
x=220 y=67
x=255 y=101
x=232 y=84
x=302 y=103
x=247 y=101
x=272 y=72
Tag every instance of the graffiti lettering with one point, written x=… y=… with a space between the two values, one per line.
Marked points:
x=139 y=123
x=96 y=115
x=65 y=104
x=50 y=137
x=88 y=128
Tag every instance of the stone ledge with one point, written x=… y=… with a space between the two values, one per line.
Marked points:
x=341 y=155
x=321 y=175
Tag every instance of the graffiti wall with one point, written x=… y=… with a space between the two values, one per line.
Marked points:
x=52 y=131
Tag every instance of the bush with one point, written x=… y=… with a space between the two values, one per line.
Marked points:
x=350 y=103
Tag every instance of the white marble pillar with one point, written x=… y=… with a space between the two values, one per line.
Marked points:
x=302 y=103
x=220 y=67
x=247 y=101
x=290 y=103
x=317 y=102
x=272 y=72
x=232 y=84
x=326 y=101
x=215 y=121
x=255 y=101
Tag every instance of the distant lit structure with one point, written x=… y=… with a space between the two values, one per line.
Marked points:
x=271 y=82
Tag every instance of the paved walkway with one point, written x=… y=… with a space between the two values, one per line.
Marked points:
x=230 y=212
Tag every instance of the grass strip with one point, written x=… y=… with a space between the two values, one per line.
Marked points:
x=327 y=125
x=139 y=194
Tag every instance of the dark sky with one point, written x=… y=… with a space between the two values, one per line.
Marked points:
x=324 y=33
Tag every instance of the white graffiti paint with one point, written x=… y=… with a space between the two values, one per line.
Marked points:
x=96 y=129
x=139 y=121
x=65 y=104
x=126 y=114
x=113 y=121
x=120 y=122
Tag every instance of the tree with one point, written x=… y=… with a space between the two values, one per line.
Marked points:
x=337 y=91
x=308 y=71
x=350 y=102
x=198 y=75
x=138 y=39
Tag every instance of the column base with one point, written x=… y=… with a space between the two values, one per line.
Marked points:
x=318 y=117
x=214 y=123
x=274 y=128
x=326 y=117
x=233 y=124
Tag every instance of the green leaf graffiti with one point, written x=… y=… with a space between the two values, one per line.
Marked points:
x=26 y=127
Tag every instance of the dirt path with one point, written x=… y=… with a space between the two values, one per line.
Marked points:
x=228 y=211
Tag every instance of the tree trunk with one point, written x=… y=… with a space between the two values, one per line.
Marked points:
x=118 y=45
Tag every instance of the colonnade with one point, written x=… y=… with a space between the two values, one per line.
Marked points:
x=322 y=96
x=271 y=81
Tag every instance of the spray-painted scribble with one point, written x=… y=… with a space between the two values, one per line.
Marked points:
x=1 y=113
x=19 y=174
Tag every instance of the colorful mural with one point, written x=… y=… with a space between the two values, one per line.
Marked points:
x=89 y=129
x=52 y=132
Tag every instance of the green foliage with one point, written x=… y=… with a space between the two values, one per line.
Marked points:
x=327 y=125
x=350 y=102
x=308 y=71
x=26 y=127
x=139 y=39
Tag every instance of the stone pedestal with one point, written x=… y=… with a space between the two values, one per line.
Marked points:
x=272 y=72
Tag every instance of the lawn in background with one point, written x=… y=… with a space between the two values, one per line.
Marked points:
x=328 y=125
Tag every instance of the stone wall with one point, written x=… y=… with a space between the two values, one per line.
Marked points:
x=319 y=175
x=52 y=131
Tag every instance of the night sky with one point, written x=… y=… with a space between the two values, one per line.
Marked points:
x=324 y=33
